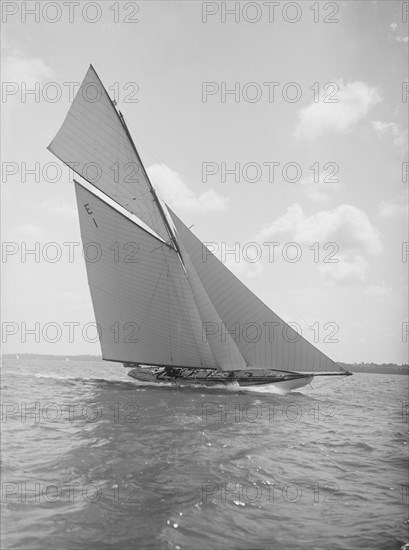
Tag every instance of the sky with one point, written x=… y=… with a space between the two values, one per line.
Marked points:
x=258 y=123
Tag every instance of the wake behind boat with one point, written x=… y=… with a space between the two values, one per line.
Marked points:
x=165 y=306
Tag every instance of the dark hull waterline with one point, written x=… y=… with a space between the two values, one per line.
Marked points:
x=207 y=377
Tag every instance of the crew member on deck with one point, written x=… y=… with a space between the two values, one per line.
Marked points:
x=170 y=371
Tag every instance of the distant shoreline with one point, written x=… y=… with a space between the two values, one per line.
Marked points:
x=377 y=369
x=390 y=368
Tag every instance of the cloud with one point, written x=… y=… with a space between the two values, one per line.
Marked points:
x=31 y=231
x=345 y=271
x=176 y=193
x=18 y=67
x=355 y=100
x=399 y=137
x=398 y=37
x=378 y=291
x=395 y=207
x=240 y=260
x=320 y=191
x=346 y=225
x=244 y=268
x=21 y=72
x=58 y=207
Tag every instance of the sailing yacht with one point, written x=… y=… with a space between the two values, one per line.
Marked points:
x=165 y=309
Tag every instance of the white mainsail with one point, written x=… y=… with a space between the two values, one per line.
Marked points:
x=263 y=338
x=143 y=303
x=95 y=143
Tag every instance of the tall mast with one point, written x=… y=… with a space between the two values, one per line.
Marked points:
x=152 y=189
x=172 y=236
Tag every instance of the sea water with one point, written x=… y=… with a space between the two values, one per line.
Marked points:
x=92 y=460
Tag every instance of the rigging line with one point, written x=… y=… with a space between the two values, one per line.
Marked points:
x=151 y=217
x=153 y=295
x=155 y=195
x=107 y=204
x=145 y=144
x=203 y=289
x=116 y=220
x=157 y=198
x=193 y=280
x=160 y=246
x=184 y=314
x=170 y=324
x=152 y=189
x=142 y=195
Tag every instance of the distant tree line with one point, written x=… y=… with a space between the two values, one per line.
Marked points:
x=383 y=368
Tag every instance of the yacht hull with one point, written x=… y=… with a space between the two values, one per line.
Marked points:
x=205 y=377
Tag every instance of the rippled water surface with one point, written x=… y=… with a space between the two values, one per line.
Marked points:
x=91 y=460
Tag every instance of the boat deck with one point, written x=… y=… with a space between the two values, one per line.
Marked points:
x=186 y=376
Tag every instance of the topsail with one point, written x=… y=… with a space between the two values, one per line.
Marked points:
x=95 y=143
